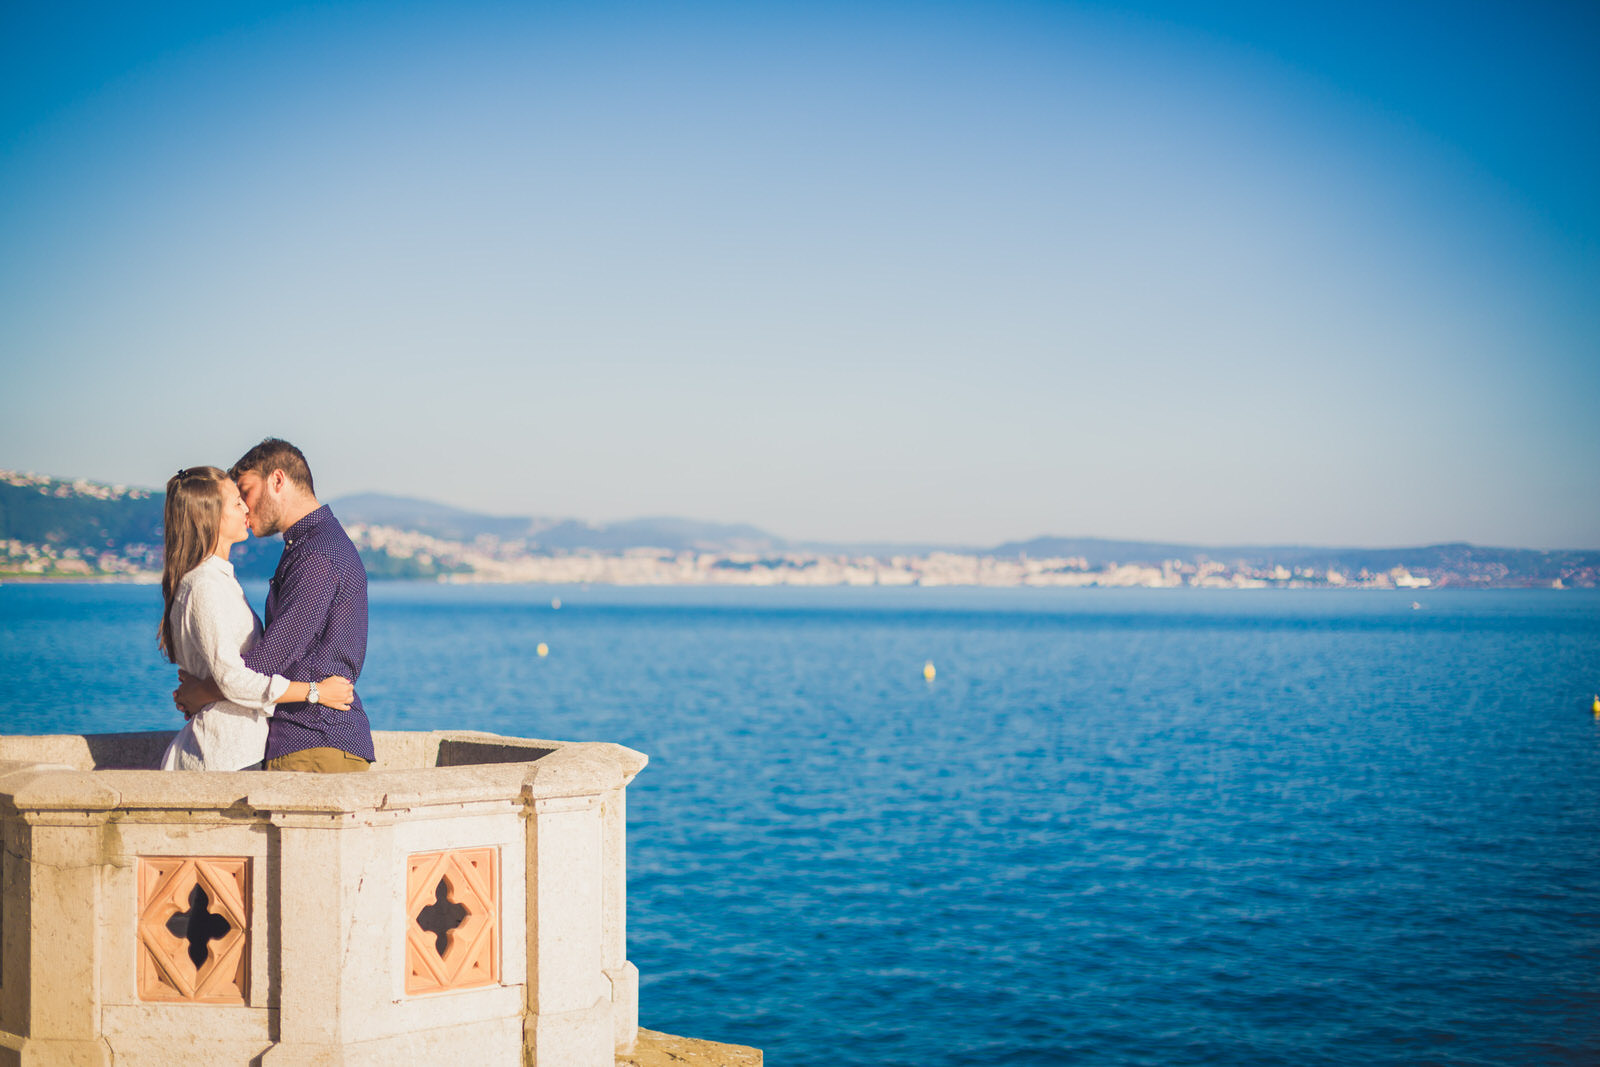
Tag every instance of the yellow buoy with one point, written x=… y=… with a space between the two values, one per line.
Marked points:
x=543 y=649
x=927 y=670
x=1596 y=707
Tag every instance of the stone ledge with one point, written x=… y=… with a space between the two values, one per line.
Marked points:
x=111 y=773
x=656 y=1049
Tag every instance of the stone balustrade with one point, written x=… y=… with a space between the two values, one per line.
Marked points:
x=463 y=902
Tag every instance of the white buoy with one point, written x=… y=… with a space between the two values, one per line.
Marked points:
x=555 y=605
x=543 y=649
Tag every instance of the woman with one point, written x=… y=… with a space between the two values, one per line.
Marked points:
x=207 y=625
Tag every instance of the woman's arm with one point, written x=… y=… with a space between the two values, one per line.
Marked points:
x=334 y=692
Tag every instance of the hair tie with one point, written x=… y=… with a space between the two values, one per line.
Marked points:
x=183 y=472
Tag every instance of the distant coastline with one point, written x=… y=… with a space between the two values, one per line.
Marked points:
x=72 y=531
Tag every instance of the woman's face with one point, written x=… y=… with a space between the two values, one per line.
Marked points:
x=235 y=525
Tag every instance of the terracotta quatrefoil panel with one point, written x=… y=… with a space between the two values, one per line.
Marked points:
x=453 y=920
x=194 y=929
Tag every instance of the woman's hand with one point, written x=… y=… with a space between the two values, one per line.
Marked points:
x=335 y=693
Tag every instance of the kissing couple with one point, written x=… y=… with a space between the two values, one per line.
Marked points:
x=280 y=697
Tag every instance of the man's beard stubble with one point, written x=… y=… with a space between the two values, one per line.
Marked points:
x=270 y=518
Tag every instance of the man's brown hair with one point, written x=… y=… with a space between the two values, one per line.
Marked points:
x=275 y=454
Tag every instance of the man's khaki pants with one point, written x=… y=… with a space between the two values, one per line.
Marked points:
x=320 y=760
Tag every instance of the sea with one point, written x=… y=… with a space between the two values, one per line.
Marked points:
x=1156 y=827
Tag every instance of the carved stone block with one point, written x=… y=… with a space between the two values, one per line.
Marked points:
x=194 y=929
x=453 y=920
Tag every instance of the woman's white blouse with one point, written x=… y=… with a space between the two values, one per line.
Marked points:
x=212 y=627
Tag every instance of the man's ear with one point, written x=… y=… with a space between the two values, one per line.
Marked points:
x=276 y=480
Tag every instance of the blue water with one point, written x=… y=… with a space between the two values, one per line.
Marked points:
x=1126 y=827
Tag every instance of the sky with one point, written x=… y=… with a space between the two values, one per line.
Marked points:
x=953 y=272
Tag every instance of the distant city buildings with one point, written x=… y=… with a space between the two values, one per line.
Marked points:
x=395 y=552
x=49 y=557
x=487 y=560
x=80 y=487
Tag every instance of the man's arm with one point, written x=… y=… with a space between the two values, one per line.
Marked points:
x=305 y=593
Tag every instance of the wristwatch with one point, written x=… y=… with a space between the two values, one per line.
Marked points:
x=311 y=694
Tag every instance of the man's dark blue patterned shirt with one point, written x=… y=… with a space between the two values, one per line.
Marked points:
x=316 y=627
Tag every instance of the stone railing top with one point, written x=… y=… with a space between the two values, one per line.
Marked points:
x=105 y=772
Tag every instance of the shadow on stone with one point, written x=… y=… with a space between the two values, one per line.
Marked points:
x=127 y=752
x=468 y=753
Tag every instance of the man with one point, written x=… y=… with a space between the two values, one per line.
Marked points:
x=316 y=615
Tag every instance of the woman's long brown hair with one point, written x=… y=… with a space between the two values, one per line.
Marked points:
x=193 y=517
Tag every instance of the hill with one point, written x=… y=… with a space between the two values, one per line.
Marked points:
x=454 y=524
x=57 y=528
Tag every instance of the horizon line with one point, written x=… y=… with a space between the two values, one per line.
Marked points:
x=923 y=543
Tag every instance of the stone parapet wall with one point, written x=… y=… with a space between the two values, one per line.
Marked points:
x=463 y=901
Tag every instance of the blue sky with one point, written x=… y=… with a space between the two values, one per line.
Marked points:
x=937 y=271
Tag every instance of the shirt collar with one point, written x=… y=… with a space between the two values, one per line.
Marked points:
x=305 y=525
x=217 y=563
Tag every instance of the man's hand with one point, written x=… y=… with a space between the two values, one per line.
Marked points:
x=194 y=693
